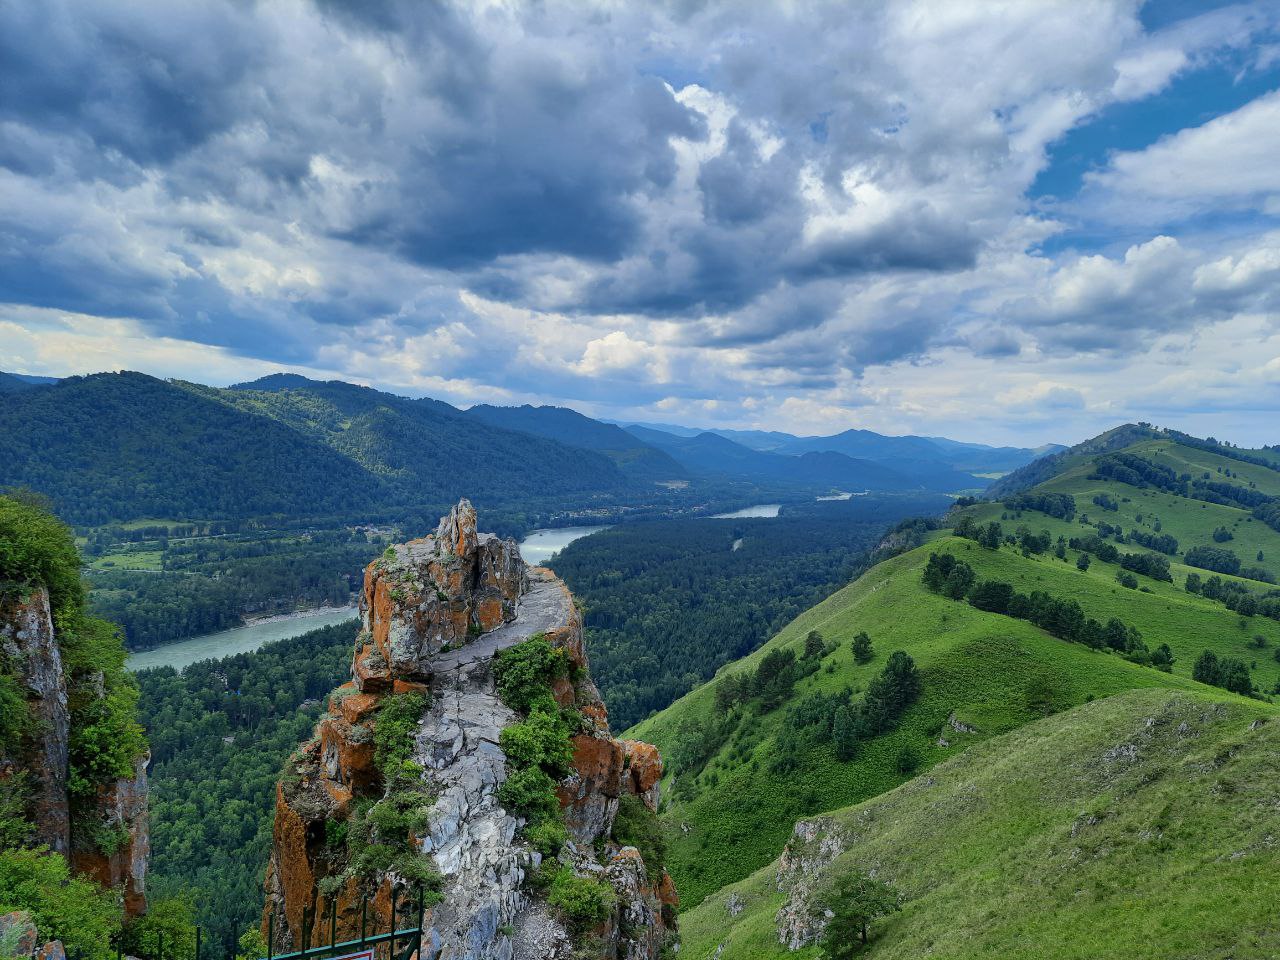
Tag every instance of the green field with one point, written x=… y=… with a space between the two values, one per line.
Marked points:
x=1140 y=827
x=986 y=671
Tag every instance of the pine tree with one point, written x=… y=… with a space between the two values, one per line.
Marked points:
x=862 y=651
x=844 y=732
x=855 y=901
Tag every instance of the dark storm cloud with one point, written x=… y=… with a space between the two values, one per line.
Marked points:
x=807 y=190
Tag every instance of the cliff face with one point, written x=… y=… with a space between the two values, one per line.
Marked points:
x=29 y=645
x=434 y=614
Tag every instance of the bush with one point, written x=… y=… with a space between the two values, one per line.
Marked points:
x=524 y=673
x=531 y=794
x=543 y=740
x=65 y=908
x=170 y=922
x=37 y=549
x=637 y=826
x=393 y=730
x=547 y=837
x=583 y=902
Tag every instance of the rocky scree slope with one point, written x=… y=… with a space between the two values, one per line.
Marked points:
x=434 y=613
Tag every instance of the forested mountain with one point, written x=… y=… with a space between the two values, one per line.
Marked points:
x=1147 y=565
x=633 y=457
x=117 y=447
x=124 y=446
x=426 y=450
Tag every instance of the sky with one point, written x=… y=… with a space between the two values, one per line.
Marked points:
x=1007 y=222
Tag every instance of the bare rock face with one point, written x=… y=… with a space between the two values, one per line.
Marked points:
x=813 y=846
x=434 y=613
x=434 y=594
x=28 y=642
x=122 y=806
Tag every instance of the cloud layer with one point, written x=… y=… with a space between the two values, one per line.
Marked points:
x=799 y=216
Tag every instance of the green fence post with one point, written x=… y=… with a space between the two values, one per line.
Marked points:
x=333 y=920
x=391 y=944
x=422 y=912
x=271 y=935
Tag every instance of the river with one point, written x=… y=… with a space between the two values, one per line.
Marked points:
x=238 y=639
x=538 y=546
x=759 y=510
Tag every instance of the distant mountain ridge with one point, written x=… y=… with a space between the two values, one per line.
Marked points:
x=906 y=453
x=123 y=446
x=16 y=382
x=567 y=426
x=712 y=454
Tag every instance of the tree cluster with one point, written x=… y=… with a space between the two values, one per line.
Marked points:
x=1059 y=505
x=1064 y=619
x=1230 y=673
x=669 y=603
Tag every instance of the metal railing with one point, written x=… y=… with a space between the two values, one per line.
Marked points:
x=408 y=941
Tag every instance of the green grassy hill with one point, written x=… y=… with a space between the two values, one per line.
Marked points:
x=1140 y=826
x=742 y=776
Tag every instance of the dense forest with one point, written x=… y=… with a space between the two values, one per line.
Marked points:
x=220 y=732
x=118 y=447
x=204 y=585
x=669 y=603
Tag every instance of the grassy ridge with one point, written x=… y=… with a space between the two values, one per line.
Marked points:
x=988 y=671
x=1128 y=828
x=992 y=672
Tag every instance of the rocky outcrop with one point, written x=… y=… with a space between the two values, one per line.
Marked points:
x=120 y=810
x=814 y=846
x=106 y=836
x=29 y=646
x=19 y=939
x=434 y=613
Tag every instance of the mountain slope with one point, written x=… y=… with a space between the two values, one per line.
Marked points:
x=569 y=427
x=1125 y=829
x=983 y=673
x=1047 y=467
x=732 y=813
x=119 y=446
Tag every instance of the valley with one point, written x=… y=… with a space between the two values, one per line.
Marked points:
x=765 y=652
x=581 y=480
